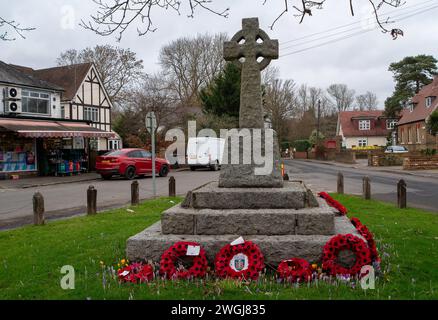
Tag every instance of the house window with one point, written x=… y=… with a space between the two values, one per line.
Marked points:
x=390 y=124
x=91 y=114
x=429 y=101
x=409 y=135
x=35 y=102
x=364 y=125
x=418 y=136
x=62 y=112
x=362 y=142
x=113 y=144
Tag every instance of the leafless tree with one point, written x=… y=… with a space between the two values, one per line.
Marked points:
x=343 y=96
x=9 y=29
x=115 y=16
x=190 y=64
x=118 y=68
x=367 y=101
x=150 y=94
x=270 y=74
x=280 y=104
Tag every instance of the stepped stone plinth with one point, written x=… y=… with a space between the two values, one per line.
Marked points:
x=285 y=219
x=249 y=221
x=150 y=244
x=293 y=195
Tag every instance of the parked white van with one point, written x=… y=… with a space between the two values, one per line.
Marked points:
x=205 y=152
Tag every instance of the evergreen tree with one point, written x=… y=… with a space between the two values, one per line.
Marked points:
x=222 y=96
x=410 y=75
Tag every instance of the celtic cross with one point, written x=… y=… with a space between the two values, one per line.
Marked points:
x=251 y=50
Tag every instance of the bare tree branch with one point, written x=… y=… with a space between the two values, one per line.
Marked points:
x=16 y=28
x=115 y=16
x=119 y=14
x=307 y=6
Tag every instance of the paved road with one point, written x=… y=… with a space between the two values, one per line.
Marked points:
x=422 y=191
x=69 y=199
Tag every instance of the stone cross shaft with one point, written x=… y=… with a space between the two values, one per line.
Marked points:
x=251 y=50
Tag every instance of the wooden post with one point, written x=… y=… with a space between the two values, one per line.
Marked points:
x=401 y=194
x=340 y=183
x=172 y=187
x=135 y=195
x=286 y=177
x=91 y=200
x=38 y=209
x=366 y=188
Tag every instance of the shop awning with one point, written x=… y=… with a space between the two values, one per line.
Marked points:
x=54 y=129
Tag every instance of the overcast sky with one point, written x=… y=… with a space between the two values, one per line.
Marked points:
x=361 y=61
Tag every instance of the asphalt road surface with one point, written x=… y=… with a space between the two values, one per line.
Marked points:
x=422 y=191
x=64 y=200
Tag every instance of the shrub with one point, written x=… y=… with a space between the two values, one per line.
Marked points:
x=301 y=145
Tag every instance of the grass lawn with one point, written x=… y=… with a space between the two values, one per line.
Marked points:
x=31 y=259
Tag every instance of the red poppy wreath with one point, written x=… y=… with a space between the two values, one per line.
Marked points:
x=333 y=203
x=366 y=233
x=136 y=273
x=294 y=270
x=176 y=253
x=239 y=261
x=342 y=242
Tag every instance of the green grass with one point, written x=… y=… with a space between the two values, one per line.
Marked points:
x=31 y=259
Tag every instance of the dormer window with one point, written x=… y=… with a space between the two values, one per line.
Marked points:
x=411 y=107
x=364 y=124
x=391 y=124
x=429 y=101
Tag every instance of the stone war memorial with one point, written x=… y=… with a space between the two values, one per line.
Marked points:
x=284 y=219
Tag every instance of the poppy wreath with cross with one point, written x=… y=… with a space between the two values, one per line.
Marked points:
x=295 y=270
x=333 y=203
x=177 y=252
x=366 y=233
x=342 y=242
x=250 y=269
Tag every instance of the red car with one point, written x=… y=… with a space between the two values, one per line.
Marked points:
x=130 y=163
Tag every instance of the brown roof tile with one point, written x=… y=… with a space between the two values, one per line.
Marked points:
x=350 y=127
x=421 y=112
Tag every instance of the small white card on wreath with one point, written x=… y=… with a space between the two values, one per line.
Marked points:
x=193 y=251
x=237 y=241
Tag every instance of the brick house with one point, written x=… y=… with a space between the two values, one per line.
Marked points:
x=360 y=129
x=411 y=129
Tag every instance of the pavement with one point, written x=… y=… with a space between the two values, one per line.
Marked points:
x=363 y=164
x=31 y=182
x=422 y=189
x=67 y=198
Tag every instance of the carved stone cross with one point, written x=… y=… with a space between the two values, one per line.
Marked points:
x=252 y=50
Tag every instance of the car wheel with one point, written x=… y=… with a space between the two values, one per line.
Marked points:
x=106 y=176
x=164 y=170
x=130 y=173
x=193 y=168
x=214 y=167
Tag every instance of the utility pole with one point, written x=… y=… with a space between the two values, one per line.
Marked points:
x=318 y=123
x=151 y=126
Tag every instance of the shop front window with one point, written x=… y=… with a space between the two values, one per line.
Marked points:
x=17 y=154
x=35 y=102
